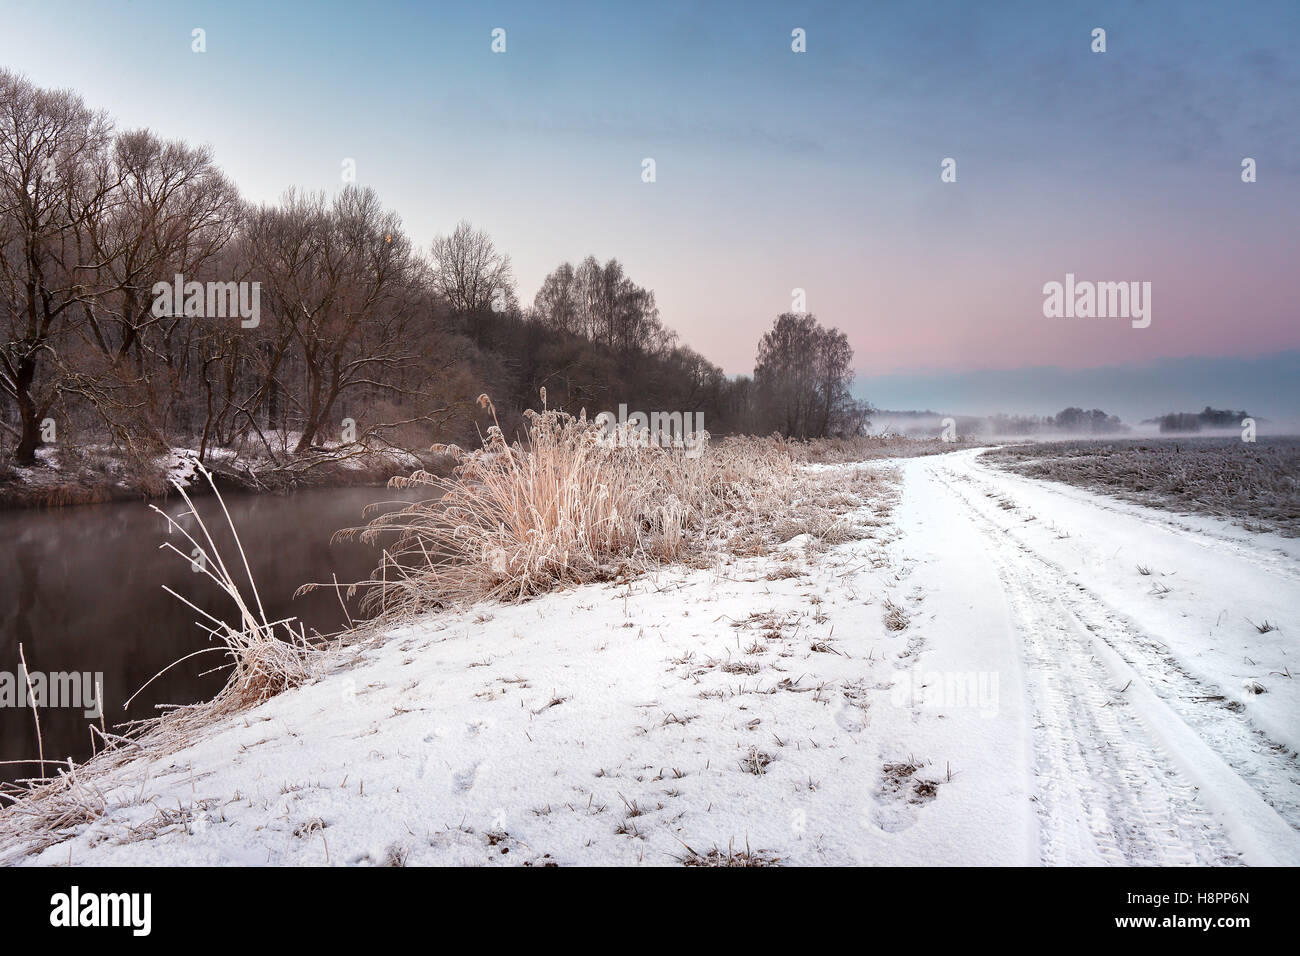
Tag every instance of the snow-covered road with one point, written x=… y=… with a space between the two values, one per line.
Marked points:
x=1125 y=634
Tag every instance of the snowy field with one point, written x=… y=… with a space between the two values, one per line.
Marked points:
x=1008 y=671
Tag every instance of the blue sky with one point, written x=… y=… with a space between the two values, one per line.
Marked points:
x=778 y=170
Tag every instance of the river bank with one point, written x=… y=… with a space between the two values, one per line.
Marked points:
x=63 y=478
x=601 y=711
x=85 y=591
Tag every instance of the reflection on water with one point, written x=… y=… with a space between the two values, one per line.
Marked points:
x=81 y=589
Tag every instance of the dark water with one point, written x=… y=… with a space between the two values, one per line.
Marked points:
x=81 y=589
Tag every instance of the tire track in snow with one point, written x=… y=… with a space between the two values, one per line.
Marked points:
x=1267 y=767
x=1106 y=794
x=1107 y=791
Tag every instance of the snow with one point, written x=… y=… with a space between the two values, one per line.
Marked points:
x=1033 y=702
x=180 y=466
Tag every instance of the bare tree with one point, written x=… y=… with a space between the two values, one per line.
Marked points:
x=343 y=287
x=175 y=214
x=472 y=276
x=603 y=304
x=556 y=304
x=803 y=376
x=56 y=179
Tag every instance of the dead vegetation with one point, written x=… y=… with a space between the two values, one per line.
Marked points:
x=872 y=447
x=900 y=780
x=563 y=508
x=756 y=761
x=732 y=857
x=895 y=617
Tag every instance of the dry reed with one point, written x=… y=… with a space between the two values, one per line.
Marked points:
x=567 y=507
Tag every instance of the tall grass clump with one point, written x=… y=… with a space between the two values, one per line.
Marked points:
x=563 y=506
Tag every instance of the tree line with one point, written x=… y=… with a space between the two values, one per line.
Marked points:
x=1206 y=418
x=354 y=320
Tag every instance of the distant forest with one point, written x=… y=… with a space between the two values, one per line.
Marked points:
x=355 y=320
x=1194 y=421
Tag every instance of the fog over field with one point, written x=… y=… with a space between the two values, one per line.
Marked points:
x=1267 y=386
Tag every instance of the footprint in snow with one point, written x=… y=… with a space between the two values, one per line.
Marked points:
x=463 y=780
x=851 y=717
x=901 y=795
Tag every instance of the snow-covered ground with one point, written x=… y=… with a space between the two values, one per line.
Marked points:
x=989 y=679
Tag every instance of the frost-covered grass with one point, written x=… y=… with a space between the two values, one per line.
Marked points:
x=1256 y=483
x=564 y=508
x=874 y=447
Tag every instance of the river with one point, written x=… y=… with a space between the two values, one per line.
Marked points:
x=82 y=589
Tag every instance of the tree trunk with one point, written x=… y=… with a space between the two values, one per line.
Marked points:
x=25 y=452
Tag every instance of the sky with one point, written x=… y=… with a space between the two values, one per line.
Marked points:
x=778 y=170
